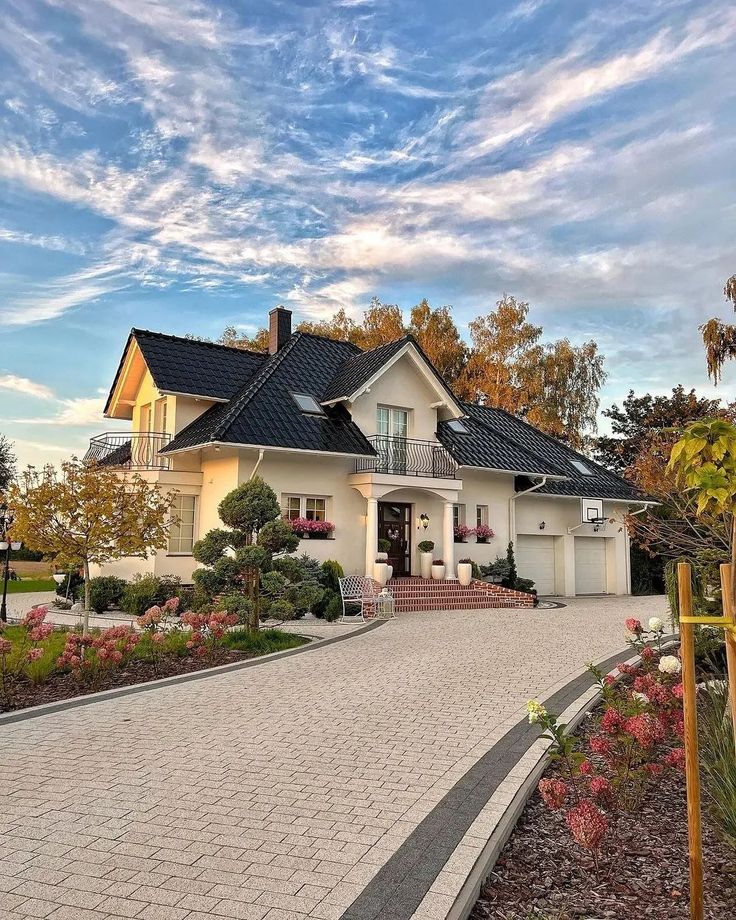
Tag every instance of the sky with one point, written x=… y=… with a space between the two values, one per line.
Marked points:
x=182 y=165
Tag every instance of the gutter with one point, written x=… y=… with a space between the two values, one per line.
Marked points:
x=512 y=505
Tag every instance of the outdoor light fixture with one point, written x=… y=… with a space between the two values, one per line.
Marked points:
x=6 y=544
x=423 y=521
x=542 y=525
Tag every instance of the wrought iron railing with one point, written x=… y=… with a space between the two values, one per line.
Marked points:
x=132 y=450
x=407 y=457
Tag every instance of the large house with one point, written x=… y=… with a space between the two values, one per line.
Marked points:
x=374 y=442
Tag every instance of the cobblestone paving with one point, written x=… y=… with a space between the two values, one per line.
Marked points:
x=276 y=791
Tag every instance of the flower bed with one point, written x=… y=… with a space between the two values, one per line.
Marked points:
x=605 y=834
x=41 y=664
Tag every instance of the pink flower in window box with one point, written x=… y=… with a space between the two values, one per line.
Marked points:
x=483 y=533
x=461 y=532
x=310 y=528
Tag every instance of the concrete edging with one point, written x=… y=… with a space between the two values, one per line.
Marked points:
x=470 y=891
x=76 y=702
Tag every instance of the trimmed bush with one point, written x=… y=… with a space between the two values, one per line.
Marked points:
x=73 y=581
x=106 y=591
x=333 y=611
x=332 y=572
x=148 y=590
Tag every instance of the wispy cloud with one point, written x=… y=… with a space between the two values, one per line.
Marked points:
x=25 y=386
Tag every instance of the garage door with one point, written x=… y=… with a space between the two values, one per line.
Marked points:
x=535 y=559
x=590 y=565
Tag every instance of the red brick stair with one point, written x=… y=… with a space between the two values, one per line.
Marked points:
x=426 y=594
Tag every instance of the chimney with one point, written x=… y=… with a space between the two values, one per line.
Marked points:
x=279 y=329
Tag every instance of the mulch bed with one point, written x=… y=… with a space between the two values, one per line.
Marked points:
x=543 y=875
x=64 y=686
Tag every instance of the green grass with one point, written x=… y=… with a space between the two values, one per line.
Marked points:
x=263 y=642
x=30 y=584
x=40 y=670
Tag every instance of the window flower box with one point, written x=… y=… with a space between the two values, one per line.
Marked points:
x=483 y=533
x=308 y=529
x=461 y=531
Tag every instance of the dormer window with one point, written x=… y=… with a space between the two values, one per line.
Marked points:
x=308 y=404
x=457 y=426
x=581 y=467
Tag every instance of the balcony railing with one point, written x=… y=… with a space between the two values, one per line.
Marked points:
x=407 y=457
x=132 y=450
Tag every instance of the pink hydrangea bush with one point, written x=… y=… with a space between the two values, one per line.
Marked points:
x=207 y=630
x=87 y=657
x=21 y=658
x=635 y=740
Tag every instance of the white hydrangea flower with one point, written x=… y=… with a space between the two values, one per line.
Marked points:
x=670 y=665
x=656 y=625
x=640 y=697
x=536 y=711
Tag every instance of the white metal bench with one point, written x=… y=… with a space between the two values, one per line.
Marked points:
x=358 y=589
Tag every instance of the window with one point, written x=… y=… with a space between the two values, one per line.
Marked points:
x=458 y=515
x=308 y=404
x=304 y=506
x=581 y=467
x=481 y=515
x=293 y=507
x=457 y=426
x=394 y=423
x=181 y=531
x=161 y=415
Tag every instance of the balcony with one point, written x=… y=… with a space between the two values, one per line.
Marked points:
x=132 y=450
x=405 y=457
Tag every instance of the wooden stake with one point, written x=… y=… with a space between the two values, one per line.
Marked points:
x=692 y=776
x=727 y=595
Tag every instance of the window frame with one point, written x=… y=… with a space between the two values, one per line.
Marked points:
x=178 y=526
x=304 y=511
x=458 y=514
x=314 y=409
x=481 y=515
x=392 y=412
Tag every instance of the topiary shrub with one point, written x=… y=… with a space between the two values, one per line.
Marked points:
x=426 y=546
x=318 y=609
x=384 y=545
x=238 y=604
x=332 y=572
x=333 y=611
x=106 y=591
x=145 y=591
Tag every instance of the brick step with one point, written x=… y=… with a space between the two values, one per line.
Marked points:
x=425 y=594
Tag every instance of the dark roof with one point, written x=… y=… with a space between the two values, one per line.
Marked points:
x=264 y=412
x=359 y=369
x=487 y=449
x=602 y=483
x=180 y=365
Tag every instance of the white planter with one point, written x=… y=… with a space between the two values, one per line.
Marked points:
x=383 y=556
x=382 y=572
x=464 y=573
x=438 y=572
x=425 y=564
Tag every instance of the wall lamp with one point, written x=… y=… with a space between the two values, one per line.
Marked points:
x=542 y=525
x=423 y=521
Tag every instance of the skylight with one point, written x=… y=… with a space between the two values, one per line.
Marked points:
x=581 y=467
x=457 y=426
x=308 y=404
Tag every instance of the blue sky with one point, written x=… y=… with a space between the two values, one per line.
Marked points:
x=182 y=165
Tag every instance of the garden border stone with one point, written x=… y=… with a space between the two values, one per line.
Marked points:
x=75 y=702
x=401 y=884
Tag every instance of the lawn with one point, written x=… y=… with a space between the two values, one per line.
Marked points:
x=31 y=584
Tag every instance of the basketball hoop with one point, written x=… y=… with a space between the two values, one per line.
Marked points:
x=591 y=512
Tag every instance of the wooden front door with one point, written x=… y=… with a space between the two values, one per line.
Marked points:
x=394 y=525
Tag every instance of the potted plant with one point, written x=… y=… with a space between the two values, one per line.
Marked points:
x=308 y=529
x=461 y=531
x=465 y=572
x=384 y=546
x=382 y=571
x=425 y=558
x=483 y=533
x=438 y=570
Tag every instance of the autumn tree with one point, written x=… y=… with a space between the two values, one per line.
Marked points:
x=7 y=463
x=84 y=514
x=340 y=327
x=234 y=339
x=552 y=385
x=437 y=334
x=719 y=338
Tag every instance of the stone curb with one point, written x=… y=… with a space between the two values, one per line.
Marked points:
x=76 y=702
x=468 y=895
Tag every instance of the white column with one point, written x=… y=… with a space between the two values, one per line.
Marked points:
x=448 y=541
x=371 y=536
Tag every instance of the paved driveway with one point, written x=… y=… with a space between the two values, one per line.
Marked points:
x=276 y=791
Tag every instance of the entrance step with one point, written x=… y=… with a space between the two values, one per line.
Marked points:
x=426 y=594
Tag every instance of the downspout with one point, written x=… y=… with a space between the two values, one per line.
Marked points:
x=512 y=506
x=261 y=452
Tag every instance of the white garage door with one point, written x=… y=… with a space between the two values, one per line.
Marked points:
x=590 y=565
x=535 y=559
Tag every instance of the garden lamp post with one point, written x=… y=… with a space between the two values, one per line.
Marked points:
x=6 y=544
